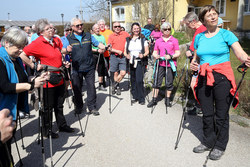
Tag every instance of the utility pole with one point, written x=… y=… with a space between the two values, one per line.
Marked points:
x=81 y=11
x=110 y=13
x=8 y=16
x=62 y=19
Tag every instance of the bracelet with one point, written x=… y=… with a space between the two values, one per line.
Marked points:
x=32 y=85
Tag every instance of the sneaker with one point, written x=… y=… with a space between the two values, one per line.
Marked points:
x=192 y=112
x=142 y=103
x=66 y=129
x=118 y=91
x=102 y=88
x=216 y=154
x=21 y=115
x=201 y=148
x=151 y=103
x=134 y=100
x=94 y=112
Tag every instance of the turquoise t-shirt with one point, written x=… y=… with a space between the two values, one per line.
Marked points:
x=214 y=50
x=99 y=38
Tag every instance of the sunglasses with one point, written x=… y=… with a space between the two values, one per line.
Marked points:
x=68 y=30
x=117 y=26
x=78 y=25
x=168 y=29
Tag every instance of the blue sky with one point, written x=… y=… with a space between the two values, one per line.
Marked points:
x=32 y=10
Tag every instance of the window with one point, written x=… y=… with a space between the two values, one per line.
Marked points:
x=136 y=11
x=196 y=10
x=247 y=6
x=119 y=14
x=220 y=6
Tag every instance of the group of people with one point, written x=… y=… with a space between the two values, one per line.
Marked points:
x=117 y=53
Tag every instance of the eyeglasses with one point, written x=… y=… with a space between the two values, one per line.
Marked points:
x=167 y=29
x=68 y=30
x=117 y=26
x=49 y=28
x=78 y=25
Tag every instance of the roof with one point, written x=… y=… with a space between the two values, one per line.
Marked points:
x=23 y=23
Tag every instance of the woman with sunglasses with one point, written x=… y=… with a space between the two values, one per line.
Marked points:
x=136 y=50
x=215 y=85
x=166 y=48
x=156 y=33
x=47 y=49
x=14 y=84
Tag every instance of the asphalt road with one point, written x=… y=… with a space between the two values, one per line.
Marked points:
x=128 y=137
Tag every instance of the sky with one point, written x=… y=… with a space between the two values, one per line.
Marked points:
x=32 y=10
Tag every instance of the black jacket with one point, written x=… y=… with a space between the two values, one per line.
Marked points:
x=82 y=57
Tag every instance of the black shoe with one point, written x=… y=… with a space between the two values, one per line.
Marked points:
x=142 y=103
x=201 y=148
x=66 y=129
x=134 y=100
x=53 y=135
x=118 y=91
x=192 y=112
x=113 y=90
x=101 y=87
x=167 y=102
x=78 y=110
x=216 y=154
x=151 y=103
x=94 y=112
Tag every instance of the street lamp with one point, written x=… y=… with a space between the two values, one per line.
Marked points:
x=8 y=16
x=62 y=19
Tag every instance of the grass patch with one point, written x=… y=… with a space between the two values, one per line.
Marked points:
x=183 y=37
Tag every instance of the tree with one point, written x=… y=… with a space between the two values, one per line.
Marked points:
x=155 y=9
x=98 y=9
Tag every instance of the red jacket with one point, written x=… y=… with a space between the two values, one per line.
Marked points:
x=223 y=68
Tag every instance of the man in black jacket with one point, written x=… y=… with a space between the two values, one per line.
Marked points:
x=149 y=26
x=80 y=46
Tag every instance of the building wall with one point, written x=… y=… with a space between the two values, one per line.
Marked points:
x=231 y=14
x=246 y=22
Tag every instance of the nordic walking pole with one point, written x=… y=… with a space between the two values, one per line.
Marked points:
x=110 y=83
x=155 y=82
x=20 y=160
x=166 y=76
x=21 y=131
x=97 y=61
x=183 y=117
x=50 y=124
x=73 y=96
x=129 y=82
x=181 y=75
x=243 y=69
x=41 y=111
x=106 y=66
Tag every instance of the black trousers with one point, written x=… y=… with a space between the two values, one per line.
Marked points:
x=137 y=86
x=161 y=74
x=100 y=66
x=53 y=99
x=77 y=80
x=215 y=101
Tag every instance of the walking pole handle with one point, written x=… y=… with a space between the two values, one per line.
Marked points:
x=242 y=68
